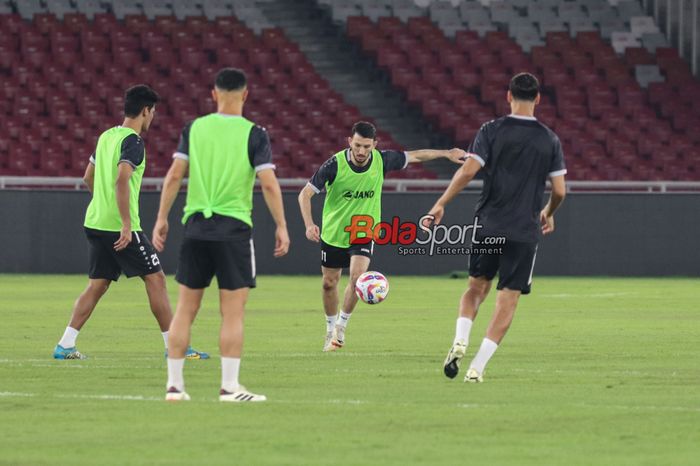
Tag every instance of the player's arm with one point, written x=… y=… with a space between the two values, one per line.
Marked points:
x=557 y=170
x=460 y=180
x=273 y=198
x=424 y=155
x=171 y=186
x=555 y=200
x=89 y=177
x=123 y=191
x=313 y=233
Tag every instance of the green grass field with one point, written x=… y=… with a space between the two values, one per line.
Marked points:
x=594 y=371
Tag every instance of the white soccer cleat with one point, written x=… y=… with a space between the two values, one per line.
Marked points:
x=454 y=357
x=239 y=396
x=338 y=339
x=327 y=345
x=473 y=376
x=174 y=394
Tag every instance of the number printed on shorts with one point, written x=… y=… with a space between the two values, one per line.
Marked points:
x=154 y=260
x=323 y=256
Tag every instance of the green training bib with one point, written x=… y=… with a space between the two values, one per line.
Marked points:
x=103 y=211
x=351 y=194
x=221 y=178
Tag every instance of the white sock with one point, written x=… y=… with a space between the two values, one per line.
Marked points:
x=488 y=347
x=69 y=336
x=330 y=322
x=229 y=373
x=175 y=377
x=165 y=339
x=464 y=326
x=343 y=320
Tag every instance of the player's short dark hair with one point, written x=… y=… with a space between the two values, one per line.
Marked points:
x=137 y=98
x=364 y=129
x=231 y=79
x=524 y=86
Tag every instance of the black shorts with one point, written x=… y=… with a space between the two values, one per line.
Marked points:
x=139 y=258
x=339 y=258
x=232 y=261
x=514 y=266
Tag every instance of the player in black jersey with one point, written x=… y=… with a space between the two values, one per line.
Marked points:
x=516 y=155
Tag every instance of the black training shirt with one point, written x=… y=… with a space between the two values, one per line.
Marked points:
x=517 y=154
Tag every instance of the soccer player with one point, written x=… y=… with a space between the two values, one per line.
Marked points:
x=516 y=154
x=353 y=181
x=223 y=153
x=112 y=224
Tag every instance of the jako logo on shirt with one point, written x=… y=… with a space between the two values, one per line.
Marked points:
x=348 y=195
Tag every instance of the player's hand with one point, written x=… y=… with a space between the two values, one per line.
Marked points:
x=437 y=212
x=313 y=233
x=457 y=156
x=124 y=238
x=281 y=242
x=547 y=222
x=160 y=233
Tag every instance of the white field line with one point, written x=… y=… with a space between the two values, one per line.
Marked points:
x=688 y=409
x=259 y=354
x=93 y=364
x=611 y=294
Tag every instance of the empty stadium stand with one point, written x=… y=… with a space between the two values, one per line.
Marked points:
x=619 y=97
x=64 y=66
x=612 y=88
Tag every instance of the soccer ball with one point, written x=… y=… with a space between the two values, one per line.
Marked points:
x=372 y=287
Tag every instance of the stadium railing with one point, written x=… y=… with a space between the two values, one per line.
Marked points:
x=397 y=185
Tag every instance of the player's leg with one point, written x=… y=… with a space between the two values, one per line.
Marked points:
x=87 y=301
x=482 y=269
x=333 y=261
x=235 y=274
x=358 y=265
x=231 y=345
x=506 y=303
x=195 y=270
x=158 y=299
x=103 y=270
x=82 y=310
x=514 y=278
x=330 y=280
x=188 y=304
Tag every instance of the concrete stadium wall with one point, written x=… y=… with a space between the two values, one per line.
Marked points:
x=597 y=234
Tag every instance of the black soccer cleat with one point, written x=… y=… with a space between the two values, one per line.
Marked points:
x=454 y=357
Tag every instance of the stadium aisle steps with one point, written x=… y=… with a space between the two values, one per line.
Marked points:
x=352 y=75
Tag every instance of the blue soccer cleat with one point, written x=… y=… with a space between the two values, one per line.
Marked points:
x=68 y=353
x=192 y=353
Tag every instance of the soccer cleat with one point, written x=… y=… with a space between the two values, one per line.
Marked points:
x=67 y=353
x=173 y=394
x=338 y=339
x=473 y=376
x=454 y=357
x=192 y=354
x=239 y=396
x=327 y=345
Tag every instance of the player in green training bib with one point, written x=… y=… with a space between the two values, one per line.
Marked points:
x=112 y=223
x=223 y=153
x=353 y=180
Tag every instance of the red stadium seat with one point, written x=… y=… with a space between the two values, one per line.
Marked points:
x=358 y=26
